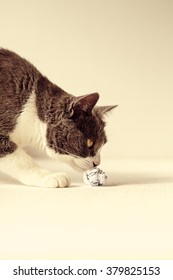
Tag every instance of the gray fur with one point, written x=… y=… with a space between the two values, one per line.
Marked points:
x=71 y=120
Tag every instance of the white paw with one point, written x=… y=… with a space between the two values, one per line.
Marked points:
x=55 y=180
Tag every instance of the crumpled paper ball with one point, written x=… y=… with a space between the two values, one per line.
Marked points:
x=94 y=177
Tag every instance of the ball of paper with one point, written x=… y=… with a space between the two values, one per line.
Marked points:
x=94 y=177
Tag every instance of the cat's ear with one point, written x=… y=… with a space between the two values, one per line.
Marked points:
x=105 y=109
x=84 y=103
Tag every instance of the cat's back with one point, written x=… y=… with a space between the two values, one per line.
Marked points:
x=15 y=69
x=10 y=61
x=18 y=79
x=8 y=57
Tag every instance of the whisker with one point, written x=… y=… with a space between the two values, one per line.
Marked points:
x=68 y=153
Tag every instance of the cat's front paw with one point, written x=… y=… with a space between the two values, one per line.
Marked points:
x=55 y=180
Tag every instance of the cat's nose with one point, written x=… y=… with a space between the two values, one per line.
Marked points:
x=96 y=160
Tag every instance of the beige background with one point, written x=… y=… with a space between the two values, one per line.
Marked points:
x=120 y=48
x=124 y=50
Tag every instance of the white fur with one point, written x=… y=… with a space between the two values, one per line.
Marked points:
x=22 y=167
x=77 y=163
x=30 y=130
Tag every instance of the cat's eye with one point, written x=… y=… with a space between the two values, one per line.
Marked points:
x=89 y=143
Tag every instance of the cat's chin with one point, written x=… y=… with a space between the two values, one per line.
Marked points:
x=77 y=167
x=82 y=164
x=79 y=164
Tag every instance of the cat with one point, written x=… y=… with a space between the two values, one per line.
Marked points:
x=35 y=112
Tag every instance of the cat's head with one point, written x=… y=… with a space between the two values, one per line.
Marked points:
x=76 y=135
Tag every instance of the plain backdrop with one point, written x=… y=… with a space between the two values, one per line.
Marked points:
x=122 y=49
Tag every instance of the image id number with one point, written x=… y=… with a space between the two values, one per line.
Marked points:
x=133 y=270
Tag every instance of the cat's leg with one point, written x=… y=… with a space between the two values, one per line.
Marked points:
x=19 y=165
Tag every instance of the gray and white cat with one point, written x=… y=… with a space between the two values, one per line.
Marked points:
x=35 y=112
